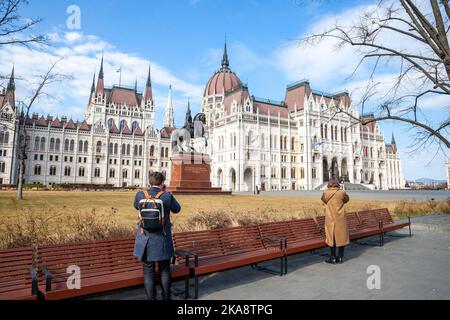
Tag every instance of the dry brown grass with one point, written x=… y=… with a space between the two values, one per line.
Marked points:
x=49 y=217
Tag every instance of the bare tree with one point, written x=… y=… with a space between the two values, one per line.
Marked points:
x=44 y=80
x=421 y=54
x=14 y=28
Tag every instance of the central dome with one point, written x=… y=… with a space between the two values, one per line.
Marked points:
x=224 y=80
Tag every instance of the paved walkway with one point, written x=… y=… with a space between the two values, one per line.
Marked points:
x=411 y=268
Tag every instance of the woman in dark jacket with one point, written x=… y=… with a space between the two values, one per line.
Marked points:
x=156 y=247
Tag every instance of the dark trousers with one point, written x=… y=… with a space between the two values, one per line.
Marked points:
x=150 y=278
x=340 y=250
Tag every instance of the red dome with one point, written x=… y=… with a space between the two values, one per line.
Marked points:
x=223 y=81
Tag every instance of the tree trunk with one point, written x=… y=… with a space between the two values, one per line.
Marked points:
x=20 y=183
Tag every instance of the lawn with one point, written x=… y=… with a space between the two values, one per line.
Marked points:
x=122 y=202
x=68 y=216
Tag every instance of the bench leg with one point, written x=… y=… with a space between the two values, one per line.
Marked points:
x=283 y=268
x=285 y=264
x=379 y=243
x=195 y=287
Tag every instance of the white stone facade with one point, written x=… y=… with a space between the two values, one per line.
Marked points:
x=296 y=144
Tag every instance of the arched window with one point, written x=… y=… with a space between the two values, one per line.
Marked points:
x=263 y=171
x=332 y=132
x=125 y=174
x=2 y=167
x=234 y=139
x=80 y=146
x=313 y=173
x=302 y=173
x=57 y=144
x=283 y=172
x=137 y=174
x=86 y=146
x=335 y=133
x=37 y=170
x=293 y=143
x=162 y=152
x=116 y=148
x=97 y=172
x=81 y=172
x=72 y=145
x=110 y=123
x=66 y=145
x=321 y=131
x=293 y=173
x=52 y=170
x=128 y=149
x=42 y=144
x=6 y=138
x=134 y=126
x=140 y=150
x=112 y=173
x=152 y=151
x=52 y=144
x=123 y=123
x=36 y=143
x=135 y=150
x=67 y=171
x=98 y=147
x=326 y=131
x=166 y=153
x=111 y=148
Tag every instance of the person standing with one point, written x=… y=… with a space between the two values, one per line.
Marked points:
x=336 y=230
x=155 y=247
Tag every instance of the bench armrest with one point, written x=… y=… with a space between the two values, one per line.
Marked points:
x=48 y=278
x=187 y=254
x=34 y=281
x=279 y=241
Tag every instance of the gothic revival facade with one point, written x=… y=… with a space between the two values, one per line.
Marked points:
x=294 y=144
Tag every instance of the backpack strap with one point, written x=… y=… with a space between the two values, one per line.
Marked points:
x=159 y=194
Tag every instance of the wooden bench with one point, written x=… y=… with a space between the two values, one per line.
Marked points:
x=388 y=224
x=228 y=248
x=358 y=228
x=104 y=266
x=18 y=279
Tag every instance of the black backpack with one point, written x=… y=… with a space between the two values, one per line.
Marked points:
x=151 y=212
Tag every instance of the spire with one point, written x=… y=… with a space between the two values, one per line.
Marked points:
x=11 y=83
x=148 y=86
x=10 y=92
x=93 y=84
x=168 y=116
x=100 y=80
x=225 y=62
x=100 y=75
x=393 y=139
x=149 y=77
x=135 y=85
x=188 y=119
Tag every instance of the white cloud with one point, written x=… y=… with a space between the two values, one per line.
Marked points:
x=79 y=57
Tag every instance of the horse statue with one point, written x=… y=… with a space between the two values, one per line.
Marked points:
x=193 y=128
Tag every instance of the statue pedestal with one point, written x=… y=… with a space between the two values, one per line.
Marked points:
x=191 y=175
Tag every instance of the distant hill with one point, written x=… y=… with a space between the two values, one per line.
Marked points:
x=428 y=181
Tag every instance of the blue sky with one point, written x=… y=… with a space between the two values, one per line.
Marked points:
x=184 y=39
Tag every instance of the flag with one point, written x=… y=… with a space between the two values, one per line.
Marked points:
x=119 y=70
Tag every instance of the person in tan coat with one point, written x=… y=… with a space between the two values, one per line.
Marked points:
x=336 y=230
